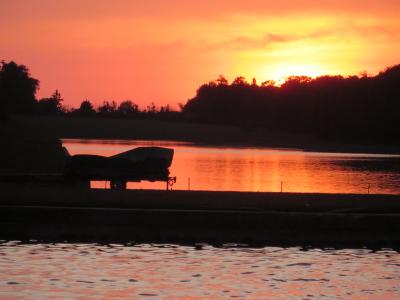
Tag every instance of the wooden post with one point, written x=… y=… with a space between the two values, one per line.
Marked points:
x=281 y=186
x=170 y=183
x=188 y=183
x=369 y=185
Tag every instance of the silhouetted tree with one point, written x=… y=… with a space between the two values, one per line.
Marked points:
x=127 y=108
x=151 y=108
x=52 y=105
x=17 y=88
x=86 y=109
x=221 y=80
x=107 y=108
x=181 y=106
x=356 y=109
x=239 y=81
x=165 y=109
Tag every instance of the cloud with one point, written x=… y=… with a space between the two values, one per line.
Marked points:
x=244 y=43
x=373 y=31
x=266 y=40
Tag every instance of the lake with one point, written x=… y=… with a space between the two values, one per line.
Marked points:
x=35 y=270
x=260 y=169
x=145 y=271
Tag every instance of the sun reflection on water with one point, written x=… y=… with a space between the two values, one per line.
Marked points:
x=261 y=169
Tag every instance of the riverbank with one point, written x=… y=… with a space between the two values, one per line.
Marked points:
x=202 y=134
x=71 y=214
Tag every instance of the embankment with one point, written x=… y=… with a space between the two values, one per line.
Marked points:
x=191 y=216
x=151 y=129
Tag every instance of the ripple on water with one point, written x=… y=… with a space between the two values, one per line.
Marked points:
x=310 y=279
x=299 y=265
x=158 y=271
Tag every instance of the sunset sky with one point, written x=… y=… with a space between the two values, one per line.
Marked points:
x=161 y=51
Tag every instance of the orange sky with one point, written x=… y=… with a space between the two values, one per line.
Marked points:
x=161 y=51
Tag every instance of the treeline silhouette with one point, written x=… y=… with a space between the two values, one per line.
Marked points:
x=344 y=109
x=18 y=95
x=355 y=109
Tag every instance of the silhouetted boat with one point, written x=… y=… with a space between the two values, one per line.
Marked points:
x=142 y=163
x=157 y=156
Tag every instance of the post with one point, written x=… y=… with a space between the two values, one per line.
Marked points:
x=369 y=185
x=170 y=183
x=281 y=186
x=188 y=183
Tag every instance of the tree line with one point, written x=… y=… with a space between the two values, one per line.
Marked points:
x=355 y=109
x=351 y=109
x=18 y=95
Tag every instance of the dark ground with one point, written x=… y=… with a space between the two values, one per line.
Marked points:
x=74 y=214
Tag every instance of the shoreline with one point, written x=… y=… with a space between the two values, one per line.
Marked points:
x=58 y=193
x=71 y=214
x=340 y=149
x=64 y=127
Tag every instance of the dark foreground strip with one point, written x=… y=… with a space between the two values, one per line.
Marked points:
x=186 y=226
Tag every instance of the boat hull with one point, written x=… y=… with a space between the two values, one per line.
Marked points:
x=135 y=165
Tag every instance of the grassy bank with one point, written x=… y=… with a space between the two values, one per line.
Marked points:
x=147 y=129
x=67 y=196
x=69 y=214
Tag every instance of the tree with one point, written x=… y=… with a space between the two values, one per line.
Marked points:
x=221 y=80
x=165 y=109
x=239 y=81
x=107 y=108
x=52 y=105
x=181 y=106
x=268 y=83
x=86 y=108
x=151 y=108
x=295 y=81
x=352 y=109
x=127 y=108
x=17 y=88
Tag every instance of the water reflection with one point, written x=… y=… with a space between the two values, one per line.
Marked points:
x=262 y=169
x=91 y=271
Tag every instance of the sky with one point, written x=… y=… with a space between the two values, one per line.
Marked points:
x=162 y=51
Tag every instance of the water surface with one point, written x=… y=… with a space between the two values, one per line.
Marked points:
x=261 y=169
x=144 y=271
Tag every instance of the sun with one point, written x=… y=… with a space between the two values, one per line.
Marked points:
x=279 y=73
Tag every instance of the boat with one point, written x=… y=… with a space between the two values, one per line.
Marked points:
x=155 y=156
x=142 y=163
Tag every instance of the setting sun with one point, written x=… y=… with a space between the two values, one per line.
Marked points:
x=281 y=72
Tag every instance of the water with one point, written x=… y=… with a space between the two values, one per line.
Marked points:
x=91 y=271
x=261 y=169
x=147 y=271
